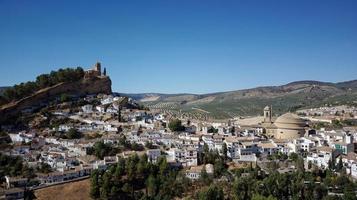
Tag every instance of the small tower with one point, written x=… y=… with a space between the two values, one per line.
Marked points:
x=267 y=114
x=98 y=68
x=105 y=72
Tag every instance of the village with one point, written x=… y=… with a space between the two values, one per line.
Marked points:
x=96 y=133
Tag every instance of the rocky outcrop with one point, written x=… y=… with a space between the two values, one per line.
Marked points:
x=91 y=85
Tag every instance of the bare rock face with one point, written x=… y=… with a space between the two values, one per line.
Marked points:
x=87 y=85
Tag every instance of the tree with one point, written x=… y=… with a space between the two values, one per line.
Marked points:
x=205 y=148
x=122 y=141
x=163 y=166
x=242 y=188
x=294 y=156
x=224 y=151
x=101 y=149
x=73 y=134
x=349 y=192
x=151 y=186
x=149 y=145
x=261 y=197
x=64 y=97
x=42 y=81
x=332 y=163
x=204 y=177
x=95 y=187
x=213 y=192
x=339 y=166
x=5 y=138
x=105 y=186
x=320 y=191
x=119 y=114
x=212 y=130
x=44 y=168
x=300 y=164
x=141 y=167
x=233 y=130
x=120 y=168
x=188 y=122
x=219 y=168
x=136 y=147
x=176 y=125
x=29 y=194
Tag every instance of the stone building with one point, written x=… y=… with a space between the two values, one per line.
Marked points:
x=94 y=72
x=286 y=126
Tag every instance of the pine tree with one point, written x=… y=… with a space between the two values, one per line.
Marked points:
x=94 y=190
x=151 y=185
x=332 y=163
x=204 y=177
x=119 y=114
x=224 y=151
x=339 y=165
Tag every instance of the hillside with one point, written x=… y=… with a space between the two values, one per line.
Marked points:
x=71 y=83
x=74 y=190
x=247 y=102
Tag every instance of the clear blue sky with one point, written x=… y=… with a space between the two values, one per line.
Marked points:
x=181 y=46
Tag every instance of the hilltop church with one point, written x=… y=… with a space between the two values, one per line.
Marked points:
x=95 y=72
x=286 y=126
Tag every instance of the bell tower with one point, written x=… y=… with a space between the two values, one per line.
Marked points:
x=98 y=68
x=267 y=113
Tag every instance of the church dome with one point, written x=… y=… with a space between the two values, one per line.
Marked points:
x=290 y=121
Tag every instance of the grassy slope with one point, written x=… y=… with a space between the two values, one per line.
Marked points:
x=75 y=190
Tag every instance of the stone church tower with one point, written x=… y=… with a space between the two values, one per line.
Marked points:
x=98 y=68
x=268 y=114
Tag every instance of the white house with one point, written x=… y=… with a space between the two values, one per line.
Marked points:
x=87 y=108
x=194 y=172
x=153 y=155
x=321 y=158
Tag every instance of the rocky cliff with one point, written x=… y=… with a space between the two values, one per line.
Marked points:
x=92 y=85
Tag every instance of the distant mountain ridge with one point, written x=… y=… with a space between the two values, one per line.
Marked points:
x=288 y=97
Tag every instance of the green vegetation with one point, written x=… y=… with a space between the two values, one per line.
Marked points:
x=211 y=129
x=45 y=80
x=150 y=145
x=4 y=138
x=64 y=98
x=72 y=134
x=296 y=185
x=44 y=168
x=278 y=156
x=136 y=178
x=213 y=192
x=13 y=166
x=336 y=124
x=176 y=125
x=126 y=145
x=100 y=149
